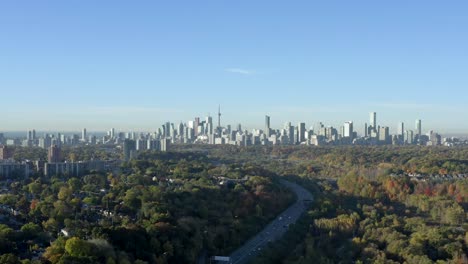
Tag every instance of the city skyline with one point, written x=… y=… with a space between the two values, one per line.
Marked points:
x=205 y=131
x=359 y=125
x=348 y=128
x=134 y=66
x=270 y=121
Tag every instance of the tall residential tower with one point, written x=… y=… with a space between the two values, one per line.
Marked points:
x=418 y=127
x=267 y=126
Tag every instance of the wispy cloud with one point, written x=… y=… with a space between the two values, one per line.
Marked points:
x=240 y=71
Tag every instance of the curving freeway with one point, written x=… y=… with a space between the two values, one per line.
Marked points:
x=275 y=229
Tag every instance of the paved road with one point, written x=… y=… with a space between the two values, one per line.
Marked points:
x=275 y=229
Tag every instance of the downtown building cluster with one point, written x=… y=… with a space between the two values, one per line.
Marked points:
x=200 y=131
x=204 y=132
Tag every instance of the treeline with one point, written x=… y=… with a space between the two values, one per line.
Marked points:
x=335 y=161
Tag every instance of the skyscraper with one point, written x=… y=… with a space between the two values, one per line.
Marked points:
x=418 y=128
x=167 y=127
x=373 y=120
x=164 y=145
x=180 y=130
x=209 y=128
x=267 y=126
x=384 y=135
x=348 y=130
x=83 y=135
x=401 y=130
x=195 y=126
x=301 y=132
x=290 y=132
x=409 y=137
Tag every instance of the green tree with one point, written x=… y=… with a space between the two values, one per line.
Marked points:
x=77 y=247
x=31 y=230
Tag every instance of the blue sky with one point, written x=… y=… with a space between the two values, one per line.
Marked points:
x=133 y=65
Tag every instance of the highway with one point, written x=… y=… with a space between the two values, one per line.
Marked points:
x=275 y=229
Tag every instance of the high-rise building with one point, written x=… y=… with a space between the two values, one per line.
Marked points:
x=45 y=142
x=373 y=120
x=331 y=133
x=54 y=154
x=165 y=143
x=92 y=140
x=289 y=132
x=172 y=131
x=195 y=126
x=180 y=130
x=434 y=139
x=129 y=147
x=267 y=126
x=141 y=144
x=348 y=130
x=63 y=139
x=167 y=132
x=6 y=153
x=409 y=137
x=190 y=124
x=189 y=133
x=418 y=128
x=301 y=132
x=152 y=144
x=83 y=135
x=401 y=130
x=384 y=134
x=209 y=127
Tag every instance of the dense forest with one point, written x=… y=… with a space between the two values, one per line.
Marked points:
x=372 y=216
x=384 y=221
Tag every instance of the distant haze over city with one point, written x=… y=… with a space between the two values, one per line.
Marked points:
x=147 y=122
